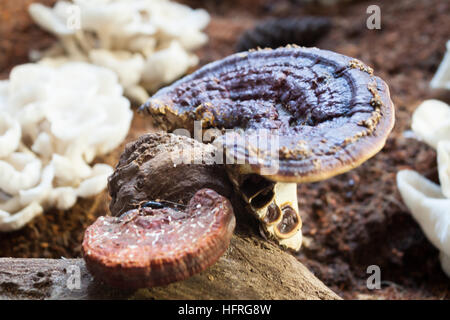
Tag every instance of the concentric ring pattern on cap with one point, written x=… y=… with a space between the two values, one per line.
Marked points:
x=325 y=113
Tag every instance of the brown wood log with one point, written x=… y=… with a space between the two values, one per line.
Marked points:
x=251 y=268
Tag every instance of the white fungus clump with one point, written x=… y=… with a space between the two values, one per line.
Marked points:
x=146 y=43
x=53 y=122
x=441 y=79
x=428 y=202
x=431 y=122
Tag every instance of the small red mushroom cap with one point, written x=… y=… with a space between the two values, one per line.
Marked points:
x=149 y=247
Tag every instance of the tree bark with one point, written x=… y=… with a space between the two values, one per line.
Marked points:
x=252 y=268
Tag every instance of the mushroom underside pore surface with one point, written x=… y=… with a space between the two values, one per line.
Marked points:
x=273 y=203
x=308 y=113
x=171 y=218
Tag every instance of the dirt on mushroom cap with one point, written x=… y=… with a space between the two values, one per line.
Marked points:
x=329 y=112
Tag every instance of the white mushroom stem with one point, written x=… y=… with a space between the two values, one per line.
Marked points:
x=275 y=205
x=442 y=77
x=430 y=209
x=48 y=20
x=53 y=22
x=443 y=160
x=286 y=193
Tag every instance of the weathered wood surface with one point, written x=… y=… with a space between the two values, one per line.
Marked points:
x=252 y=268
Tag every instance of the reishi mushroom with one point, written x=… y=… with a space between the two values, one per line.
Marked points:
x=326 y=113
x=148 y=246
x=317 y=113
x=170 y=219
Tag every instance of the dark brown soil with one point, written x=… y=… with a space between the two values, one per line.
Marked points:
x=352 y=221
x=18 y=35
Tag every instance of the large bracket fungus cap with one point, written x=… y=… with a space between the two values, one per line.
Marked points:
x=322 y=114
x=328 y=110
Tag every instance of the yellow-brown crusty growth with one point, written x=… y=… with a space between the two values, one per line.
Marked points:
x=328 y=111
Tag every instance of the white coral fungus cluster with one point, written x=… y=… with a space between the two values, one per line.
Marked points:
x=53 y=122
x=428 y=202
x=148 y=43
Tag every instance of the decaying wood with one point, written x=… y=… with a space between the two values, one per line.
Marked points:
x=252 y=268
